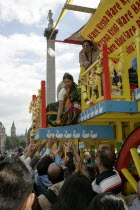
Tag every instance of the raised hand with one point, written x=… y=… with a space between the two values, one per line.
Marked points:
x=80 y=168
x=57 y=152
x=41 y=145
x=31 y=150
x=67 y=146
x=65 y=160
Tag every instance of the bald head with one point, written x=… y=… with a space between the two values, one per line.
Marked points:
x=107 y=158
x=55 y=173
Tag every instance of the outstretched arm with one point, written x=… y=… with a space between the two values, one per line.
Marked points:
x=60 y=110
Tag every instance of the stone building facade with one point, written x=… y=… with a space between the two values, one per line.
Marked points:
x=2 y=139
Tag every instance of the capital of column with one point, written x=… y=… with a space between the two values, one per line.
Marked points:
x=48 y=32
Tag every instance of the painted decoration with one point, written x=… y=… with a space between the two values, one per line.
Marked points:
x=108 y=106
x=77 y=132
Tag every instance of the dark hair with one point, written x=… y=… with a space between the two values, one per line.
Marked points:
x=92 y=170
x=75 y=194
x=91 y=43
x=107 y=201
x=1 y=158
x=20 y=151
x=16 y=182
x=107 y=157
x=68 y=76
x=43 y=164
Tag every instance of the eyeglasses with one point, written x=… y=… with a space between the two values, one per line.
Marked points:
x=84 y=46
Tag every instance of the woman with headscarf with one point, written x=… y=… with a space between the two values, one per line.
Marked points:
x=66 y=110
x=89 y=54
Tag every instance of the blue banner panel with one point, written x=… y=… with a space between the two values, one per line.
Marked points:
x=108 y=106
x=77 y=132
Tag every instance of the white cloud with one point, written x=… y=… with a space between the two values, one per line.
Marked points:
x=85 y=3
x=27 y=11
x=21 y=73
x=31 y=12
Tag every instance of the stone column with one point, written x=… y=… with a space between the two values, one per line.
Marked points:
x=50 y=73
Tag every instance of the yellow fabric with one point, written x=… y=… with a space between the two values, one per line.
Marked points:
x=67 y=103
x=115 y=23
x=62 y=14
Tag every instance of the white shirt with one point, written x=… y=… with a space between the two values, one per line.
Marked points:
x=61 y=94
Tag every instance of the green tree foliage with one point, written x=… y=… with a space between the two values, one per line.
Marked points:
x=22 y=143
x=12 y=142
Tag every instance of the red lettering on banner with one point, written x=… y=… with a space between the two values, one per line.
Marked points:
x=138 y=23
x=103 y=23
x=120 y=22
x=89 y=36
x=125 y=18
x=113 y=10
x=115 y=61
x=104 y=40
x=129 y=33
x=113 y=30
x=130 y=49
x=95 y=33
x=124 y=2
x=119 y=41
x=112 y=48
x=136 y=7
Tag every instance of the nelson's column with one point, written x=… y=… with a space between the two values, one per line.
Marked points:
x=50 y=75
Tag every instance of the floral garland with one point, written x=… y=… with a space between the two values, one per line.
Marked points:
x=34 y=108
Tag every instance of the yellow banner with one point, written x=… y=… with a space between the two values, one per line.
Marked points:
x=115 y=23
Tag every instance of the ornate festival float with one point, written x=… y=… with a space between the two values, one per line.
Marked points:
x=110 y=98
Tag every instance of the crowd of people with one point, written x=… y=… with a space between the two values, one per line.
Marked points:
x=60 y=180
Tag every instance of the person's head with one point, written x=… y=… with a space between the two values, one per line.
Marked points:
x=138 y=189
x=87 y=156
x=93 y=170
x=88 y=46
x=55 y=173
x=68 y=80
x=20 y=151
x=76 y=193
x=106 y=158
x=43 y=164
x=16 y=183
x=106 y=201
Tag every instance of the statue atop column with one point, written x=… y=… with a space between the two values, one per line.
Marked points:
x=50 y=24
x=48 y=30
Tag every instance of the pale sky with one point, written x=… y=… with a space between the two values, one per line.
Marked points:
x=23 y=53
